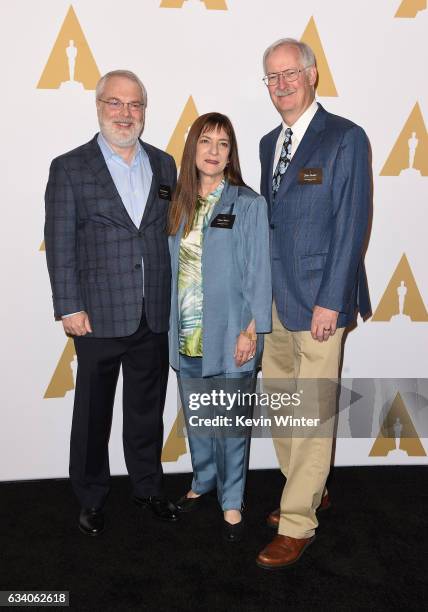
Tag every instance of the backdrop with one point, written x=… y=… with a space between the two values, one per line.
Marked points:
x=197 y=56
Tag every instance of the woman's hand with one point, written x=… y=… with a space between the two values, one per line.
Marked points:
x=246 y=343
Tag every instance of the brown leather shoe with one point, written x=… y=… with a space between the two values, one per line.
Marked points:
x=273 y=518
x=282 y=552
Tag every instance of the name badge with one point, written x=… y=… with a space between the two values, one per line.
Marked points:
x=223 y=221
x=310 y=176
x=164 y=192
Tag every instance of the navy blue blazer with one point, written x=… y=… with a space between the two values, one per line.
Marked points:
x=318 y=231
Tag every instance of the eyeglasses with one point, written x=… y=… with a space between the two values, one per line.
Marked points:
x=116 y=105
x=289 y=75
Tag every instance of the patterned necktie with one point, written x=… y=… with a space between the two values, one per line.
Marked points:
x=283 y=161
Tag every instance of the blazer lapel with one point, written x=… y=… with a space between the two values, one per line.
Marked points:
x=309 y=143
x=227 y=198
x=97 y=163
x=156 y=173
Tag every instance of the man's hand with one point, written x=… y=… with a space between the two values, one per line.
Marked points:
x=324 y=323
x=77 y=324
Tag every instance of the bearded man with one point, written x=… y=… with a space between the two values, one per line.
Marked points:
x=109 y=267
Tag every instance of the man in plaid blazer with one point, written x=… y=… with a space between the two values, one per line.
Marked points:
x=108 y=261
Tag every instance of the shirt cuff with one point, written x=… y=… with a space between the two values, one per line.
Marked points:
x=70 y=315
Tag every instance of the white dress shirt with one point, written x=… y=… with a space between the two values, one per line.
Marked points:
x=298 y=128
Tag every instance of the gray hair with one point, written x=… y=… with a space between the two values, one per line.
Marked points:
x=307 y=56
x=120 y=73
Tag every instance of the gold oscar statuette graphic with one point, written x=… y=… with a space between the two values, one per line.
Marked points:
x=71 y=64
x=175 y=445
x=42 y=246
x=176 y=144
x=402 y=301
x=410 y=8
x=65 y=373
x=214 y=5
x=310 y=36
x=397 y=435
x=409 y=156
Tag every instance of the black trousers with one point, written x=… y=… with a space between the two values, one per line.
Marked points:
x=144 y=360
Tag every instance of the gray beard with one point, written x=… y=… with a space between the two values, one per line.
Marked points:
x=118 y=141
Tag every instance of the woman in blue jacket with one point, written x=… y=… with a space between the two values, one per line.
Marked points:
x=221 y=304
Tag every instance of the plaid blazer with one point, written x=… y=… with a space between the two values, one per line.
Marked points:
x=94 y=250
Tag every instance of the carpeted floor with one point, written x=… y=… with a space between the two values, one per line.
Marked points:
x=369 y=554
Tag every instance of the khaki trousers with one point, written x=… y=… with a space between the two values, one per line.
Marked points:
x=304 y=459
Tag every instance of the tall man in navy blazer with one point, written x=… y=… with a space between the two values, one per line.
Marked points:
x=316 y=180
x=108 y=261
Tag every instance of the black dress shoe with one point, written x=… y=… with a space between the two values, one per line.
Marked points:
x=162 y=509
x=91 y=521
x=189 y=504
x=233 y=533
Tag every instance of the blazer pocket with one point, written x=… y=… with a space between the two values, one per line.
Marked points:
x=313 y=262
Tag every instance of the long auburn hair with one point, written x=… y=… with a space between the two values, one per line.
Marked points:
x=185 y=197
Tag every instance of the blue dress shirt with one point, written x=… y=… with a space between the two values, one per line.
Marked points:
x=132 y=181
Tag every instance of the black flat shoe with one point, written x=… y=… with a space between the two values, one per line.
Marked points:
x=189 y=504
x=233 y=533
x=91 y=521
x=162 y=508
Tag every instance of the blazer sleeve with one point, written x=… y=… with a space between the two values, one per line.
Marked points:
x=61 y=241
x=351 y=192
x=257 y=284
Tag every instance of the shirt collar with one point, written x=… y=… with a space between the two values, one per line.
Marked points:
x=301 y=125
x=108 y=152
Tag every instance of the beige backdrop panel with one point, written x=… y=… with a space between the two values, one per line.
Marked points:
x=195 y=57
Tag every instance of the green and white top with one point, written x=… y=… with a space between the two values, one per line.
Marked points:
x=190 y=294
